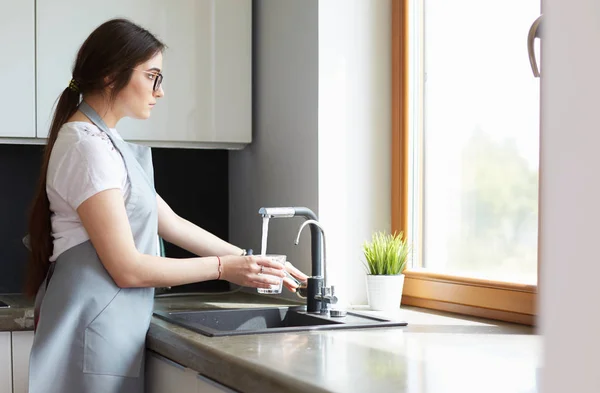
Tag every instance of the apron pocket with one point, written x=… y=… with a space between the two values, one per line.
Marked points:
x=115 y=340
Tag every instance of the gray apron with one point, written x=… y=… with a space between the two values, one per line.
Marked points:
x=91 y=334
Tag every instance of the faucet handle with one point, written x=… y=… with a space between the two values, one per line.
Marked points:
x=327 y=296
x=323 y=294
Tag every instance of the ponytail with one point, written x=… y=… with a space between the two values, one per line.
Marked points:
x=40 y=238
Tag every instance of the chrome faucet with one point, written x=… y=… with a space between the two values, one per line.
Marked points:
x=315 y=281
x=326 y=295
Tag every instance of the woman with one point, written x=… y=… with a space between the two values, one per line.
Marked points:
x=94 y=225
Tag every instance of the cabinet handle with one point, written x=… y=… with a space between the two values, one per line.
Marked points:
x=534 y=32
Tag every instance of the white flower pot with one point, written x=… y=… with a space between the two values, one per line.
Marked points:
x=385 y=292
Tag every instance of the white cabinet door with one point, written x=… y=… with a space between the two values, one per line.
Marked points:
x=206 y=68
x=21 y=347
x=17 y=68
x=5 y=363
x=232 y=70
x=166 y=376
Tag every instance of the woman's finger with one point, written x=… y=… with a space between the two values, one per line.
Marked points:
x=272 y=272
x=295 y=272
x=290 y=284
x=266 y=262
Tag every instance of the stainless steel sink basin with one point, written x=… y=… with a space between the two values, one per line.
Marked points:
x=230 y=322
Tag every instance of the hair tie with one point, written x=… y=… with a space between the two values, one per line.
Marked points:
x=74 y=86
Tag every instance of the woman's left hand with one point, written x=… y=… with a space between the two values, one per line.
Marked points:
x=297 y=274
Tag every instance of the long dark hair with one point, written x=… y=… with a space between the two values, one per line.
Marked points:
x=106 y=58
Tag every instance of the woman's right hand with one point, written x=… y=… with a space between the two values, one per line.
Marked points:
x=246 y=271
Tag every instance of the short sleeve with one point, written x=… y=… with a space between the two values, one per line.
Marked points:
x=87 y=168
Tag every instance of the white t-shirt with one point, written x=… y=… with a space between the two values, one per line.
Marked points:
x=83 y=163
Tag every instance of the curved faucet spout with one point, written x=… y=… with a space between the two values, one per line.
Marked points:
x=324 y=256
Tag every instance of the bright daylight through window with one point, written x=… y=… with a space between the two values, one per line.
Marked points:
x=473 y=139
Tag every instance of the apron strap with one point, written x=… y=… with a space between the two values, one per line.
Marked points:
x=50 y=273
x=40 y=296
x=124 y=148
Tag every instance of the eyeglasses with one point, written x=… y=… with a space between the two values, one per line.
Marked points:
x=157 y=77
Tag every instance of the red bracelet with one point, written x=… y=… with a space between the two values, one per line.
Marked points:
x=220 y=270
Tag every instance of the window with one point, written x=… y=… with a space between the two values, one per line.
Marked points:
x=465 y=154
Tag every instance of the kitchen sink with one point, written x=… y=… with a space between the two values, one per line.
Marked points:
x=231 y=322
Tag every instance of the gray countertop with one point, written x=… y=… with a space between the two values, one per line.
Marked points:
x=20 y=314
x=436 y=352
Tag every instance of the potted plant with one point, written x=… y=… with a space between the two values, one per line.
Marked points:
x=386 y=256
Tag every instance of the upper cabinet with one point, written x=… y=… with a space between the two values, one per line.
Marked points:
x=17 y=69
x=206 y=66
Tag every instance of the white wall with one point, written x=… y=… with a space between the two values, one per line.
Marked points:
x=321 y=131
x=570 y=196
x=279 y=168
x=354 y=134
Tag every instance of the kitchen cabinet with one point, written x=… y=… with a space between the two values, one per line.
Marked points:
x=5 y=363
x=17 y=69
x=166 y=376
x=207 y=385
x=206 y=67
x=21 y=347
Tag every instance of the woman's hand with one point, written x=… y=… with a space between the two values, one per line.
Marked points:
x=297 y=274
x=245 y=271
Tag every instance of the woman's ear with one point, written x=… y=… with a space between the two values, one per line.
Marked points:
x=109 y=81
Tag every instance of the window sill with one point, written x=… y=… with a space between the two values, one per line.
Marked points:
x=469 y=296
